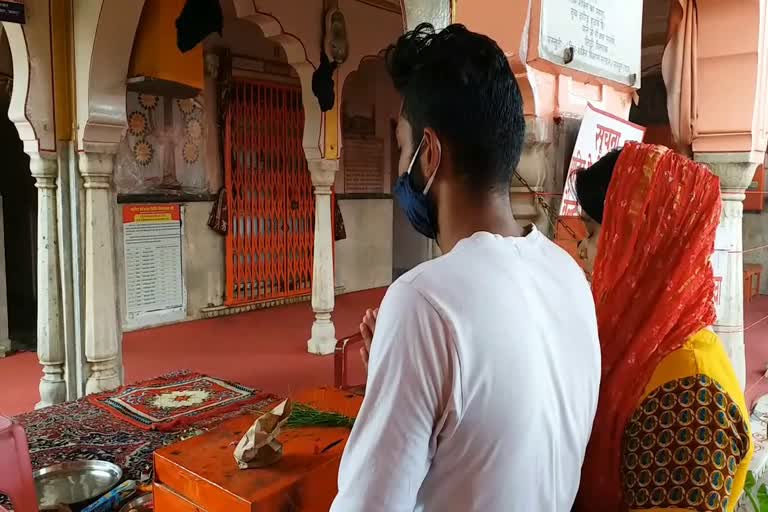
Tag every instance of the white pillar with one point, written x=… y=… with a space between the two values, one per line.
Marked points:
x=50 y=339
x=323 y=340
x=102 y=330
x=5 y=342
x=735 y=171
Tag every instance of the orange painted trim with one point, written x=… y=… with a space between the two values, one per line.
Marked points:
x=61 y=18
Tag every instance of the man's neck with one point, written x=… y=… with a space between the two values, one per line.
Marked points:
x=492 y=214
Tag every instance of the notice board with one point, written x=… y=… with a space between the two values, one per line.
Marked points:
x=153 y=259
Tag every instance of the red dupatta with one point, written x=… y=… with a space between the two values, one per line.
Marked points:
x=653 y=288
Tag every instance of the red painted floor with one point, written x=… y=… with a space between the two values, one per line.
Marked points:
x=264 y=349
x=267 y=349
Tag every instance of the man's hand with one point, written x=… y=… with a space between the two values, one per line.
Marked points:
x=366 y=329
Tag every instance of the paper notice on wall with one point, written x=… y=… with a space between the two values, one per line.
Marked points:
x=600 y=132
x=153 y=270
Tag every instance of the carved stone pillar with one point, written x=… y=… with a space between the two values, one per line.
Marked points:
x=735 y=171
x=323 y=340
x=50 y=336
x=102 y=330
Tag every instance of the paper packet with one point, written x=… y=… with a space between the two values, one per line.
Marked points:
x=259 y=446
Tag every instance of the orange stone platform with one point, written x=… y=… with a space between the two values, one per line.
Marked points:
x=200 y=474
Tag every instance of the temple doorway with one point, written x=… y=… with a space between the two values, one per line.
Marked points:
x=18 y=211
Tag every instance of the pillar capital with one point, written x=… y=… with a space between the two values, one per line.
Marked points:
x=97 y=169
x=323 y=173
x=44 y=169
x=735 y=171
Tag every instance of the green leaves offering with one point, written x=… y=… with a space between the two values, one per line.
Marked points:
x=305 y=416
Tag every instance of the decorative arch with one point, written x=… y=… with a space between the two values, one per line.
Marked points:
x=31 y=107
x=297 y=56
x=104 y=33
x=17 y=110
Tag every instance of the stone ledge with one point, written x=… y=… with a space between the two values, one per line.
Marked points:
x=219 y=311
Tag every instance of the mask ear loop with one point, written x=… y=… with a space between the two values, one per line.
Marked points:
x=415 y=155
x=439 y=158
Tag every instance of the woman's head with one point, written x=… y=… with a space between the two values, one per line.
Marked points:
x=591 y=189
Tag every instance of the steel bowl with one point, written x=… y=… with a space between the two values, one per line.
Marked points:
x=140 y=504
x=72 y=483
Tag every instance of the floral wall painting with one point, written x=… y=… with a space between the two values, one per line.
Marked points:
x=162 y=152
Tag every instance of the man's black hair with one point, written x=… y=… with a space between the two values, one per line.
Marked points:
x=459 y=83
x=592 y=185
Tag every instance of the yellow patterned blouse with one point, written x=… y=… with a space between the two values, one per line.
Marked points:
x=688 y=445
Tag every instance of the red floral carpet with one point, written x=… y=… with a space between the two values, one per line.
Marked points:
x=171 y=402
x=80 y=430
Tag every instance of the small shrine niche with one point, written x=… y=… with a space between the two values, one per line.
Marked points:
x=163 y=149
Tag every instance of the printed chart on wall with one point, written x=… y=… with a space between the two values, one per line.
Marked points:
x=600 y=132
x=152 y=239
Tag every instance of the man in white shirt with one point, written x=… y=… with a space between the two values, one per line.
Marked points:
x=484 y=366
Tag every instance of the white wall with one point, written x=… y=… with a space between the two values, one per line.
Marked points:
x=364 y=259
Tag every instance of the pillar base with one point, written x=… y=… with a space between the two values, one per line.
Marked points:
x=5 y=347
x=323 y=340
x=103 y=379
x=53 y=389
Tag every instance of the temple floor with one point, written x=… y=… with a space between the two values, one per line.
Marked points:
x=274 y=342
x=264 y=349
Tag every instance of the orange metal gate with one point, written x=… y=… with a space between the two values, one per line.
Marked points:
x=269 y=194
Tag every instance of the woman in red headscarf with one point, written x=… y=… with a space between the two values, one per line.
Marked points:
x=671 y=430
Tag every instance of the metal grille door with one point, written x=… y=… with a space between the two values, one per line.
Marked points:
x=269 y=194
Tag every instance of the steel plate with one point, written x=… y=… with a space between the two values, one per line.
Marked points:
x=70 y=483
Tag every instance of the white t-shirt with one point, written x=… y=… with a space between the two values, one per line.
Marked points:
x=482 y=385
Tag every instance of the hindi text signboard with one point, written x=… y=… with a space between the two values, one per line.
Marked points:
x=599 y=37
x=153 y=267
x=600 y=132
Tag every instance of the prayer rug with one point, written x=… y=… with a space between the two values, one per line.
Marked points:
x=174 y=401
x=79 y=430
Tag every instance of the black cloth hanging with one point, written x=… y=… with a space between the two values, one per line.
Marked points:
x=322 y=83
x=198 y=18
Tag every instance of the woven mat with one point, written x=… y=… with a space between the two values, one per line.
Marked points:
x=80 y=430
x=172 y=402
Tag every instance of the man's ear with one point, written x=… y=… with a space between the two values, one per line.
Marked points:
x=431 y=153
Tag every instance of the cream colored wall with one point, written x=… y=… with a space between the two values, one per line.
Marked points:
x=202 y=252
x=364 y=259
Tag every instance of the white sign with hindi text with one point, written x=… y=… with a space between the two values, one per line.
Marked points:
x=599 y=37
x=600 y=132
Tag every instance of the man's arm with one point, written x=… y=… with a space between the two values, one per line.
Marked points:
x=411 y=388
